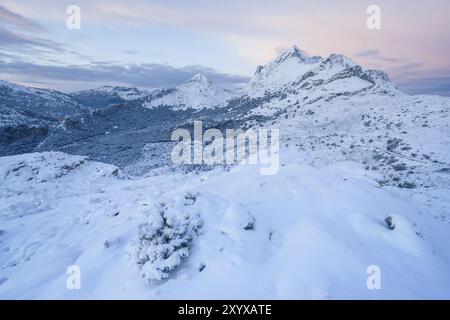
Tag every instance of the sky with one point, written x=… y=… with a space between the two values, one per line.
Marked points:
x=154 y=43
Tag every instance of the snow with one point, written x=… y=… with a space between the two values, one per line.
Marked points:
x=164 y=241
x=124 y=93
x=196 y=93
x=315 y=241
x=288 y=67
x=295 y=71
x=51 y=95
x=360 y=128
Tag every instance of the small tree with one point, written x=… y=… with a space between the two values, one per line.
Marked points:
x=164 y=241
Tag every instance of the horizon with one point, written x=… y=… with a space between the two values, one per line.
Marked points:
x=226 y=42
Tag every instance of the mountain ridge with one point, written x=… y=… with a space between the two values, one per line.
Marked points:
x=325 y=105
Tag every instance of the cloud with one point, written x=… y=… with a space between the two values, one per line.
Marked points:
x=412 y=77
x=23 y=42
x=248 y=31
x=130 y=52
x=375 y=54
x=21 y=35
x=140 y=75
x=370 y=53
x=27 y=44
x=9 y=18
x=427 y=84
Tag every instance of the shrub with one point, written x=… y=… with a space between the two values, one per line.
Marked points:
x=164 y=241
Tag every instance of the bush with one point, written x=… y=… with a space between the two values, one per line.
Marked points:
x=164 y=241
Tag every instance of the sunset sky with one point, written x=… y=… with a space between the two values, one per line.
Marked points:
x=161 y=43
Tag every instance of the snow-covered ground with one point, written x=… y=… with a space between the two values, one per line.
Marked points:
x=306 y=232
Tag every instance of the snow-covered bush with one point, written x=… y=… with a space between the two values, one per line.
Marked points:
x=164 y=241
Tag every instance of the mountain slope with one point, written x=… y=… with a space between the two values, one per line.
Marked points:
x=27 y=115
x=107 y=96
x=44 y=102
x=329 y=108
x=196 y=93
x=334 y=110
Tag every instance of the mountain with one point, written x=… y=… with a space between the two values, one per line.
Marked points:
x=330 y=108
x=27 y=114
x=334 y=110
x=295 y=70
x=196 y=93
x=286 y=68
x=107 y=96
x=43 y=102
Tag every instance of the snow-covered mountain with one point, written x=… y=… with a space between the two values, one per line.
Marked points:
x=196 y=93
x=288 y=67
x=294 y=70
x=330 y=108
x=334 y=110
x=355 y=150
x=44 y=102
x=27 y=114
x=107 y=96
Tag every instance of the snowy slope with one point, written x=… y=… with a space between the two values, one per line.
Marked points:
x=106 y=96
x=405 y=137
x=125 y=93
x=288 y=67
x=43 y=102
x=196 y=93
x=27 y=114
x=304 y=233
x=334 y=110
